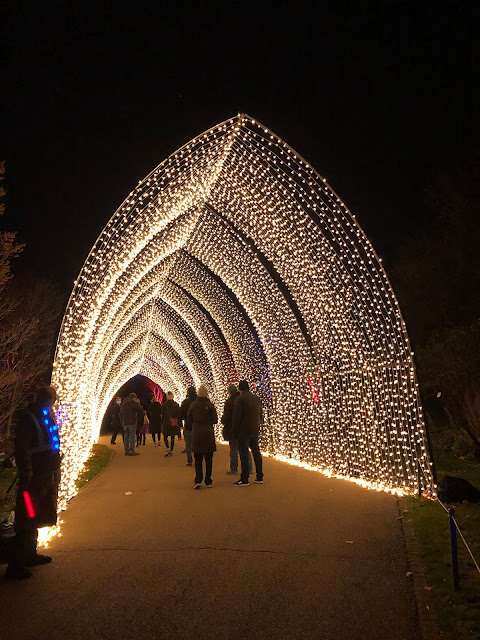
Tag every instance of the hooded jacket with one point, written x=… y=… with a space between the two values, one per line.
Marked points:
x=130 y=412
x=247 y=415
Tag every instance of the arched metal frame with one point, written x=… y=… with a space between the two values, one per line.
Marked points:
x=235 y=259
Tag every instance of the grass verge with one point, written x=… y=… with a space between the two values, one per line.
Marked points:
x=98 y=460
x=457 y=613
x=7 y=501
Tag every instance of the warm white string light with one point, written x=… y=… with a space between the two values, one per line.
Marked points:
x=234 y=259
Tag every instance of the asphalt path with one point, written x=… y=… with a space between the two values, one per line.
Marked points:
x=302 y=556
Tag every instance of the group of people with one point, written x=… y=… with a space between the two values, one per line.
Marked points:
x=37 y=452
x=241 y=418
x=134 y=422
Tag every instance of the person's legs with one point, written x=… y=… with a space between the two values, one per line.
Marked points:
x=25 y=542
x=132 y=437
x=233 y=444
x=198 y=468
x=31 y=544
x=114 y=435
x=129 y=440
x=172 y=438
x=165 y=439
x=250 y=463
x=144 y=437
x=139 y=437
x=208 y=468
x=243 y=443
x=188 y=445
x=257 y=456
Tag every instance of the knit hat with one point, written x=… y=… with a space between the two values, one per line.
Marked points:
x=232 y=388
x=202 y=391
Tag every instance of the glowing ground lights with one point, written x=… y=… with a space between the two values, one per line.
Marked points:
x=235 y=259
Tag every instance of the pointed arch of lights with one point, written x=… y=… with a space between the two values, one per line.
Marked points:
x=235 y=259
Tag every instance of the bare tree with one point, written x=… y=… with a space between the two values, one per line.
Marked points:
x=31 y=311
x=8 y=247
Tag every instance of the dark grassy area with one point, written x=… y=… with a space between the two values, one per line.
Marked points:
x=7 y=502
x=457 y=613
x=99 y=458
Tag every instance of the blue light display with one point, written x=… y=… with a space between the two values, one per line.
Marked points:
x=52 y=430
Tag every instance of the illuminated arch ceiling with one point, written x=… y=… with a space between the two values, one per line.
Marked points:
x=234 y=259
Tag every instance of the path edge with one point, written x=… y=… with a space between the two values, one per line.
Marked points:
x=87 y=484
x=428 y=623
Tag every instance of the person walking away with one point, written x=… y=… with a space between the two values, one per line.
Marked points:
x=130 y=411
x=246 y=420
x=140 y=420
x=226 y=420
x=170 y=428
x=187 y=423
x=115 y=422
x=37 y=456
x=154 y=413
x=203 y=416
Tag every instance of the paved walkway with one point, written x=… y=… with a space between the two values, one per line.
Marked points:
x=302 y=556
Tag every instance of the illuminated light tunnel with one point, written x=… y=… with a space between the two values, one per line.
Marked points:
x=235 y=259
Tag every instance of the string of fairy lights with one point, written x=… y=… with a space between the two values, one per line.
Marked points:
x=231 y=259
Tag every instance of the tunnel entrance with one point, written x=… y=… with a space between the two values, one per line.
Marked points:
x=235 y=259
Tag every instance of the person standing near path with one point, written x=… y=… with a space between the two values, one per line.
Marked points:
x=116 y=424
x=203 y=416
x=154 y=413
x=187 y=423
x=37 y=456
x=170 y=428
x=129 y=414
x=246 y=420
x=226 y=420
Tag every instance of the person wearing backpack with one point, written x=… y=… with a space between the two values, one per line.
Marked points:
x=170 y=426
x=203 y=416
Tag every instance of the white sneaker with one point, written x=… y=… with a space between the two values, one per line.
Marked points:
x=198 y=485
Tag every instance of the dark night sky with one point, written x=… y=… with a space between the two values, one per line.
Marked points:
x=376 y=95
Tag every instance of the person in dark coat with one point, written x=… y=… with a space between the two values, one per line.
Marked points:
x=187 y=423
x=115 y=422
x=37 y=456
x=130 y=413
x=141 y=426
x=154 y=413
x=203 y=416
x=170 y=426
x=246 y=420
x=226 y=420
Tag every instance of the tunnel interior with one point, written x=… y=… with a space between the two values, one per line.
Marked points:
x=234 y=259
